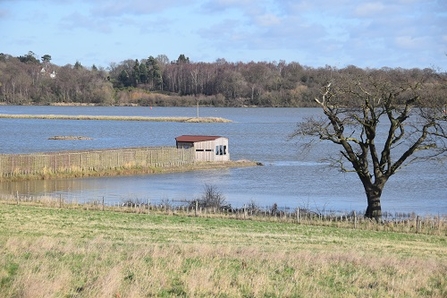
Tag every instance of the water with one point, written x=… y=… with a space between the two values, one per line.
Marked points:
x=291 y=177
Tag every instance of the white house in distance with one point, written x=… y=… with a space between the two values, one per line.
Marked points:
x=207 y=148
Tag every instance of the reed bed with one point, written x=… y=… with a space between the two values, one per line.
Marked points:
x=119 y=118
x=93 y=163
x=57 y=252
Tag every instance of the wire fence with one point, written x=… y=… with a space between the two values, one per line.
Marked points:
x=13 y=165
x=398 y=222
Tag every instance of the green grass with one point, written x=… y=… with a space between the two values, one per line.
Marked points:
x=51 y=252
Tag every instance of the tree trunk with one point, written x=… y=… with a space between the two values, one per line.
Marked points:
x=374 y=209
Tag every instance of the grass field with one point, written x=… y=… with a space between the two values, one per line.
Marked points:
x=52 y=252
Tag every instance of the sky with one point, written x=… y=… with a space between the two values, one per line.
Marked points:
x=314 y=33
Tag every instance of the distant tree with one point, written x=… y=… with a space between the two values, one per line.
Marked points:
x=136 y=73
x=46 y=58
x=182 y=59
x=29 y=58
x=144 y=74
x=157 y=77
x=381 y=121
x=290 y=91
x=256 y=74
x=121 y=74
x=162 y=59
x=25 y=79
x=78 y=65
x=232 y=85
x=125 y=79
x=221 y=61
x=154 y=73
x=16 y=83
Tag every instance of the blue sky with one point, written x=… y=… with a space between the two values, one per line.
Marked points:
x=375 y=34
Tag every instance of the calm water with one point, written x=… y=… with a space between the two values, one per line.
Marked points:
x=291 y=177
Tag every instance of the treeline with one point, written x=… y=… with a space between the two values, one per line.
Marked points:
x=158 y=81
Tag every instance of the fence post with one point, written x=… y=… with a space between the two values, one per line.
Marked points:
x=102 y=203
x=298 y=215
x=418 y=223
x=355 y=220
x=197 y=207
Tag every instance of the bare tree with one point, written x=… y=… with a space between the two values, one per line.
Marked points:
x=381 y=121
x=211 y=198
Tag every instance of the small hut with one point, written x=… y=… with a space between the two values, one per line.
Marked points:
x=207 y=148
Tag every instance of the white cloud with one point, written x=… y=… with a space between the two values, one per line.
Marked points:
x=369 y=9
x=411 y=43
x=267 y=20
x=369 y=33
x=77 y=21
x=133 y=7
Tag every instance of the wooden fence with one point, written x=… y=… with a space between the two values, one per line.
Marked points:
x=403 y=223
x=12 y=165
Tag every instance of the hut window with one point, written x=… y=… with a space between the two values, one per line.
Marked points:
x=220 y=150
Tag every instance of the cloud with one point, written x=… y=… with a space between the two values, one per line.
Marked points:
x=228 y=33
x=317 y=32
x=76 y=21
x=220 y=6
x=4 y=13
x=267 y=20
x=369 y=9
x=411 y=43
x=107 y=8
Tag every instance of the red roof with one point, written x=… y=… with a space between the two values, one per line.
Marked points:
x=195 y=138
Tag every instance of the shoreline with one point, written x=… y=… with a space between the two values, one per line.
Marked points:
x=117 y=118
x=131 y=171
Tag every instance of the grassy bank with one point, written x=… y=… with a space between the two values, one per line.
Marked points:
x=52 y=252
x=128 y=170
x=119 y=118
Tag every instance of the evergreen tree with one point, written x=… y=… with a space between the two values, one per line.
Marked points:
x=46 y=58
x=154 y=73
x=143 y=73
x=78 y=65
x=29 y=58
x=124 y=79
x=182 y=59
x=136 y=73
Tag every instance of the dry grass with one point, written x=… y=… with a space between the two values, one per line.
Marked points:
x=119 y=118
x=127 y=169
x=51 y=252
